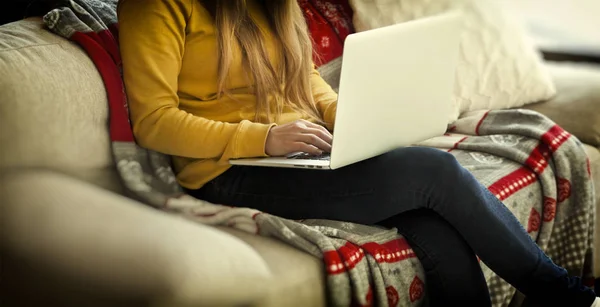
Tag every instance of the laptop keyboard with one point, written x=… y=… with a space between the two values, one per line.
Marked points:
x=305 y=156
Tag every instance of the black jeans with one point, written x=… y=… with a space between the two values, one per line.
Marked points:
x=382 y=189
x=453 y=276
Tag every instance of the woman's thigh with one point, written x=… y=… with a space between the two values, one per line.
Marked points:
x=366 y=192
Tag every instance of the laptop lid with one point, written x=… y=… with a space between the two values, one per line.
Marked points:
x=396 y=87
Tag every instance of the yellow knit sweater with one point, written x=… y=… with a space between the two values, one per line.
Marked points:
x=170 y=61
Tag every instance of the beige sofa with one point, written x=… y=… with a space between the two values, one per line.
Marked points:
x=69 y=238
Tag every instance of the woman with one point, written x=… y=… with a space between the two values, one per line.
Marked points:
x=209 y=81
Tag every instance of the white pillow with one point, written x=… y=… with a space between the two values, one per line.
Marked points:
x=498 y=66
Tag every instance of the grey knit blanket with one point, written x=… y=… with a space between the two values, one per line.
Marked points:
x=536 y=168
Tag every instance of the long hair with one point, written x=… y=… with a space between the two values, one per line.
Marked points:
x=289 y=84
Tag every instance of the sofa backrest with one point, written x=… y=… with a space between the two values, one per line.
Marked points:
x=53 y=105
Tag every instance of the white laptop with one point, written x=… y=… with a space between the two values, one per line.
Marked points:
x=395 y=90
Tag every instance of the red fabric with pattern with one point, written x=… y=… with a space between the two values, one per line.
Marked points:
x=329 y=23
x=549 y=208
x=392 y=296
x=564 y=189
x=369 y=297
x=417 y=289
x=534 y=221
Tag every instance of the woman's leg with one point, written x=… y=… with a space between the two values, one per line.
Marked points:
x=453 y=275
x=401 y=180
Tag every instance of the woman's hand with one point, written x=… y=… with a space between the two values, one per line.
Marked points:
x=300 y=135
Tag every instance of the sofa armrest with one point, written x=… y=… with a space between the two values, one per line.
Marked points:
x=105 y=248
x=577 y=101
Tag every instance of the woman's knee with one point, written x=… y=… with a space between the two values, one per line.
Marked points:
x=425 y=160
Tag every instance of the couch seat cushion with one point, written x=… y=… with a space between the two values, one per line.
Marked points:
x=299 y=277
x=100 y=249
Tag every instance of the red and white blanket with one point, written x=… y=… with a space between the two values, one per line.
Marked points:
x=537 y=169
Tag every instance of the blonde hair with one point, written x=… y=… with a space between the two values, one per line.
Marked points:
x=290 y=83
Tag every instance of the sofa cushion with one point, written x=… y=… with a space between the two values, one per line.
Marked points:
x=53 y=105
x=108 y=248
x=300 y=277
x=498 y=67
x=576 y=106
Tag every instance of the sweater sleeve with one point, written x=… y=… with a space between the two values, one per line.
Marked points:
x=152 y=39
x=325 y=98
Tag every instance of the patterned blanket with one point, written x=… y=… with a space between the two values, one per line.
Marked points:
x=537 y=169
